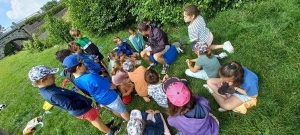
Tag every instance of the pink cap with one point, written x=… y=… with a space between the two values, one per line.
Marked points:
x=177 y=93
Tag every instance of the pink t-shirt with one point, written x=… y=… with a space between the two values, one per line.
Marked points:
x=119 y=77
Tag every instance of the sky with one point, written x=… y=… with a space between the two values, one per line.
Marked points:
x=16 y=10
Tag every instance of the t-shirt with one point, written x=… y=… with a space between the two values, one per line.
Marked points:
x=120 y=77
x=137 y=42
x=198 y=31
x=137 y=77
x=210 y=65
x=98 y=87
x=158 y=94
x=250 y=84
x=125 y=48
x=84 y=42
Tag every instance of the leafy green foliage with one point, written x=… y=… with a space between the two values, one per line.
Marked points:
x=100 y=17
x=169 y=11
x=49 y=5
x=34 y=46
x=58 y=30
x=9 y=49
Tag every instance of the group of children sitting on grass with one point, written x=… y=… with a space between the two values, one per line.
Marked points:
x=112 y=86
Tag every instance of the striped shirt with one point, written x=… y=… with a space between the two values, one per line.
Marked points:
x=198 y=30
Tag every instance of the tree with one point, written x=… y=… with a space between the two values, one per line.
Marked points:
x=49 y=5
x=58 y=30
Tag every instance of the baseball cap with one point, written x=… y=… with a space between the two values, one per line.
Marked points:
x=200 y=47
x=176 y=91
x=72 y=60
x=40 y=71
x=127 y=65
x=226 y=89
x=134 y=125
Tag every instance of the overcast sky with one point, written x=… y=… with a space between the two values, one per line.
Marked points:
x=16 y=10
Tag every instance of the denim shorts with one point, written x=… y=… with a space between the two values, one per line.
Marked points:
x=243 y=98
x=117 y=106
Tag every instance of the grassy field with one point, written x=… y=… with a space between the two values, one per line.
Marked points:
x=266 y=39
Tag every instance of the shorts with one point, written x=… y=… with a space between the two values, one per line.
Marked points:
x=126 y=99
x=91 y=115
x=167 y=47
x=243 y=98
x=117 y=106
x=93 y=49
x=200 y=74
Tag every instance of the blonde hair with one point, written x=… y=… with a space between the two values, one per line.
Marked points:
x=73 y=46
x=111 y=55
x=116 y=39
x=117 y=67
x=75 y=33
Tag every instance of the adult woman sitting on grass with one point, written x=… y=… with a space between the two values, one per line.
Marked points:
x=244 y=82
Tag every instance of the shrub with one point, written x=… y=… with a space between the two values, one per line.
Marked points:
x=9 y=49
x=58 y=30
x=170 y=11
x=100 y=17
x=34 y=46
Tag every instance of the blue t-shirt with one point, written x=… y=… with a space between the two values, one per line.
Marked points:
x=250 y=84
x=98 y=87
x=125 y=48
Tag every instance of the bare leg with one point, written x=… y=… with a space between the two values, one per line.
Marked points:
x=145 y=56
x=98 y=123
x=215 y=47
x=147 y=99
x=125 y=116
x=227 y=103
x=158 y=57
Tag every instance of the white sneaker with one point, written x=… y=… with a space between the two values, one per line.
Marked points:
x=165 y=69
x=221 y=109
x=222 y=55
x=228 y=47
x=208 y=88
x=151 y=65
x=138 y=62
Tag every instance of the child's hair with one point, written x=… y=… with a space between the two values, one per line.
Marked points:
x=117 y=67
x=173 y=110
x=73 y=46
x=116 y=39
x=192 y=10
x=151 y=76
x=73 y=69
x=132 y=29
x=75 y=33
x=146 y=21
x=233 y=70
x=111 y=55
x=62 y=54
x=208 y=53
x=143 y=27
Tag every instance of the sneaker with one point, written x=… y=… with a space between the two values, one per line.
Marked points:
x=114 y=130
x=165 y=69
x=228 y=47
x=208 y=88
x=222 y=55
x=110 y=124
x=151 y=65
x=138 y=62
x=221 y=109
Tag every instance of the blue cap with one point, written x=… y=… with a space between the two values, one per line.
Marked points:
x=72 y=60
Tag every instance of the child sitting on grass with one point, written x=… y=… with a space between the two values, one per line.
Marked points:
x=155 y=89
x=137 y=76
x=87 y=45
x=124 y=48
x=121 y=79
x=136 y=40
x=148 y=122
x=188 y=113
x=76 y=104
x=99 y=88
x=206 y=60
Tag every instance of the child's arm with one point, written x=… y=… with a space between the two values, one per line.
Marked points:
x=193 y=69
x=191 y=60
x=128 y=92
x=68 y=104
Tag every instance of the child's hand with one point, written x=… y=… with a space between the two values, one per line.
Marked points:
x=165 y=77
x=149 y=111
x=188 y=61
x=156 y=111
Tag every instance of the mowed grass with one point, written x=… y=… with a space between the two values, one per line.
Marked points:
x=266 y=39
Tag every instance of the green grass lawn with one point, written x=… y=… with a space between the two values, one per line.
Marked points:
x=266 y=38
